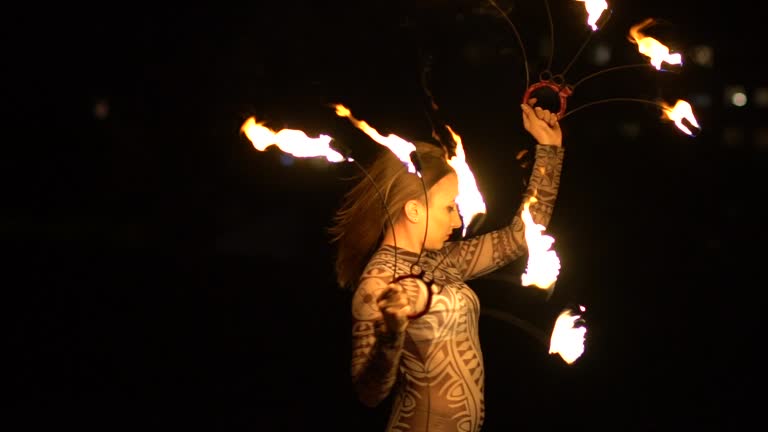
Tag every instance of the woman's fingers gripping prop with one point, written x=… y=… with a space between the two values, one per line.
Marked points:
x=542 y=124
x=394 y=306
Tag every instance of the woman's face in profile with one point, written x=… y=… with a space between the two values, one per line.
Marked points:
x=443 y=211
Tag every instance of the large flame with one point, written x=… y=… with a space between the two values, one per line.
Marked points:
x=290 y=141
x=681 y=111
x=470 y=200
x=400 y=147
x=567 y=339
x=652 y=48
x=594 y=9
x=543 y=263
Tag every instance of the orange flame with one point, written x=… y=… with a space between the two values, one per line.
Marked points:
x=567 y=340
x=652 y=48
x=543 y=263
x=400 y=147
x=469 y=200
x=681 y=111
x=594 y=9
x=291 y=141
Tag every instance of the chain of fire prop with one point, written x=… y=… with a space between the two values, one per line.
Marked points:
x=543 y=266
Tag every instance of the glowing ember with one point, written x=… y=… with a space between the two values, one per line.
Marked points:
x=400 y=147
x=568 y=340
x=543 y=263
x=652 y=48
x=681 y=111
x=594 y=9
x=290 y=141
x=469 y=200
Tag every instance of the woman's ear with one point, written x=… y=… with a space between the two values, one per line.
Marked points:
x=412 y=210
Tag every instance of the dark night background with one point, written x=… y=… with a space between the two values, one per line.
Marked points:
x=163 y=273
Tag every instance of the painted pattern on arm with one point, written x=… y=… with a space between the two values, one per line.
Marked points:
x=483 y=254
x=374 y=358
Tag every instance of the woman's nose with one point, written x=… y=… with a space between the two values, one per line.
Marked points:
x=456 y=221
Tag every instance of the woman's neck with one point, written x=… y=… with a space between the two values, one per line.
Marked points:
x=402 y=238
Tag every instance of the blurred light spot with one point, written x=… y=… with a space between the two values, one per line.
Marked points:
x=735 y=95
x=703 y=55
x=101 y=109
x=286 y=159
x=760 y=96
x=701 y=100
x=601 y=55
x=733 y=136
x=629 y=130
x=761 y=139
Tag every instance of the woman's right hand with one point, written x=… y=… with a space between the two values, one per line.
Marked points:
x=394 y=306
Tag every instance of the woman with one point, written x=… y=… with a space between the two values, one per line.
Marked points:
x=432 y=364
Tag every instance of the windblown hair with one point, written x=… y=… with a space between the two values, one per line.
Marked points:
x=361 y=221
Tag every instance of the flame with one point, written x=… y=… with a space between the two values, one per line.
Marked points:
x=681 y=111
x=469 y=200
x=652 y=48
x=400 y=147
x=543 y=264
x=567 y=340
x=594 y=9
x=290 y=141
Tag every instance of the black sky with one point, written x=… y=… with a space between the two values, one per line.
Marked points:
x=164 y=273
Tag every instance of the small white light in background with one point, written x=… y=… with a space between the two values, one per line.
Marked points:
x=735 y=95
x=601 y=55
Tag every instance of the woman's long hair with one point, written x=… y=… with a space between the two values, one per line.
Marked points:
x=361 y=221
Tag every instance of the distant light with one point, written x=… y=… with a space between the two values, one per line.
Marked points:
x=735 y=95
x=601 y=55
x=701 y=100
x=733 y=136
x=101 y=109
x=760 y=96
x=739 y=99
x=761 y=139
x=703 y=55
x=629 y=130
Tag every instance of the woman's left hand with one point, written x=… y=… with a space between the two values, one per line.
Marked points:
x=542 y=124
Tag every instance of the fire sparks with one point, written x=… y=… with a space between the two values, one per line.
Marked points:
x=680 y=113
x=400 y=147
x=594 y=9
x=469 y=200
x=543 y=263
x=652 y=48
x=294 y=142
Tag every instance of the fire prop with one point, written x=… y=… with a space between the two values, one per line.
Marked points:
x=598 y=14
x=294 y=142
x=655 y=50
x=297 y=143
x=469 y=201
x=543 y=263
x=568 y=335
